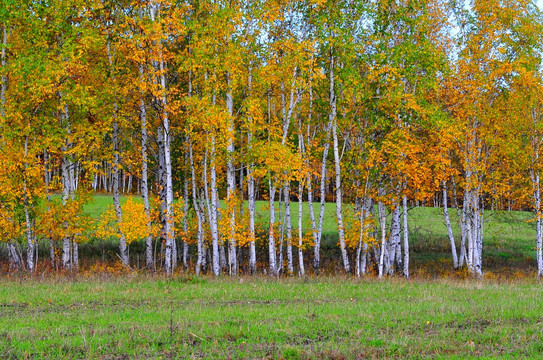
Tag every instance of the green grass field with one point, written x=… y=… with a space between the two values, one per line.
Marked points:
x=339 y=318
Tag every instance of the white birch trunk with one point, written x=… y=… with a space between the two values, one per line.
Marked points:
x=67 y=184
x=47 y=180
x=300 y=204
x=288 y=220
x=199 y=235
x=185 y=220
x=29 y=240
x=212 y=209
x=394 y=252
x=231 y=180
x=449 y=227
x=362 y=247
x=382 y=223
x=536 y=188
x=251 y=188
x=271 y=242
x=14 y=259
x=149 y=263
x=539 y=235
x=460 y=214
x=405 y=238
x=251 y=206
x=300 y=230
x=337 y=160
x=480 y=229
x=317 y=232
x=66 y=246
x=116 y=196
x=282 y=234
x=317 y=228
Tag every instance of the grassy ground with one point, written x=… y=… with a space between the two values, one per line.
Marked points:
x=263 y=318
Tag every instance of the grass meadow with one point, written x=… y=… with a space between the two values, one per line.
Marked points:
x=137 y=317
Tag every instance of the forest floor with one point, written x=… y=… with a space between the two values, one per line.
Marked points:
x=140 y=317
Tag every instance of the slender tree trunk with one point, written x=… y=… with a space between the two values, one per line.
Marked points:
x=47 y=179
x=212 y=209
x=161 y=188
x=122 y=179
x=467 y=225
x=251 y=206
x=300 y=230
x=116 y=196
x=75 y=254
x=66 y=246
x=449 y=227
x=382 y=223
x=337 y=161
x=170 y=237
x=286 y=188
x=300 y=204
x=282 y=222
x=14 y=259
x=370 y=210
x=251 y=187
x=539 y=235
x=149 y=263
x=222 y=257
x=196 y=206
x=405 y=238
x=29 y=240
x=480 y=228
x=67 y=184
x=272 y=262
x=536 y=187
x=318 y=234
x=317 y=229
x=231 y=180
x=472 y=220
x=395 y=256
x=361 y=210
x=461 y=221
x=476 y=234
x=288 y=222
x=185 y=218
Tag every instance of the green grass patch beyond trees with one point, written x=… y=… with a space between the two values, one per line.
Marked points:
x=182 y=317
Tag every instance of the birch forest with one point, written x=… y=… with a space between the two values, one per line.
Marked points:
x=221 y=130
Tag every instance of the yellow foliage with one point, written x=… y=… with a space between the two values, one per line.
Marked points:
x=134 y=225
